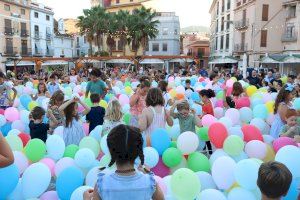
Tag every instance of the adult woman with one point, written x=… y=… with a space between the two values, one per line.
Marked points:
x=74 y=78
x=154 y=116
x=42 y=92
x=137 y=101
x=282 y=103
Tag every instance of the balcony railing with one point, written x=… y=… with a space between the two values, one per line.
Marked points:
x=38 y=52
x=24 y=33
x=10 y=51
x=8 y=31
x=241 y=24
x=240 y=47
x=37 y=35
x=289 y=37
x=48 y=36
x=25 y=52
x=49 y=53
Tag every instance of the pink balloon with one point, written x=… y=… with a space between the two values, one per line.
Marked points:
x=123 y=99
x=50 y=195
x=267 y=97
x=229 y=91
x=171 y=79
x=242 y=102
x=80 y=108
x=11 y=114
x=251 y=133
x=208 y=120
x=234 y=115
x=1 y=111
x=19 y=125
x=283 y=141
x=229 y=83
x=50 y=164
x=161 y=169
x=21 y=161
x=219 y=103
x=63 y=164
x=161 y=184
x=86 y=128
x=256 y=149
x=219 y=112
x=217 y=134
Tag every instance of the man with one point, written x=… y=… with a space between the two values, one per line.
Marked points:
x=203 y=72
x=291 y=79
x=277 y=77
x=253 y=79
x=238 y=75
x=96 y=85
x=269 y=77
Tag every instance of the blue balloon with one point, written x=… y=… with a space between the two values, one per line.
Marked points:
x=241 y=193
x=260 y=111
x=293 y=191
x=193 y=81
x=9 y=178
x=296 y=104
x=197 y=108
x=174 y=131
x=195 y=96
x=160 y=140
x=25 y=100
x=68 y=181
x=246 y=173
x=5 y=129
x=256 y=102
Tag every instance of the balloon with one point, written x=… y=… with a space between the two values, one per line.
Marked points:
x=260 y=111
x=49 y=163
x=35 y=150
x=9 y=178
x=223 y=172
x=234 y=115
x=174 y=131
x=246 y=114
x=211 y=194
x=296 y=104
x=258 y=123
x=251 y=133
x=195 y=96
x=294 y=190
x=236 y=131
x=59 y=131
x=127 y=118
x=233 y=145
x=240 y=193
x=185 y=184
x=14 y=142
x=19 y=125
x=256 y=149
x=17 y=193
x=180 y=90
x=63 y=164
x=160 y=140
x=35 y=180
x=105 y=160
x=68 y=181
x=25 y=138
x=207 y=120
x=90 y=143
x=11 y=114
x=206 y=180
x=50 y=195
x=219 y=104
x=172 y=157
x=217 y=133
x=151 y=157
x=219 y=112
x=25 y=100
x=283 y=141
x=2 y=120
x=161 y=169
x=187 y=142
x=198 y=162
x=246 y=173
x=227 y=122
x=14 y=132
x=287 y=155
x=20 y=161
x=103 y=145
x=84 y=158
x=203 y=133
x=92 y=177
x=55 y=147
x=241 y=156
x=78 y=193
x=217 y=154
x=123 y=99
x=251 y=90
x=71 y=150
x=32 y=105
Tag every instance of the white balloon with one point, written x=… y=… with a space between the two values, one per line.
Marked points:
x=78 y=193
x=151 y=157
x=187 y=142
x=92 y=176
x=59 y=131
x=55 y=147
x=206 y=181
x=223 y=172
x=211 y=194
x=217 y=154
x=227 y=122
x=236 y=130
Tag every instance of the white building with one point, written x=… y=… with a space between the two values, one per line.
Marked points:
x=81 y=46
x=42 y=27
x=167 y=41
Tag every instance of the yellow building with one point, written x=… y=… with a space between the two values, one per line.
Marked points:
x=14 y=29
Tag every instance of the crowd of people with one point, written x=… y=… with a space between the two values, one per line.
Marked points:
x=151 y=107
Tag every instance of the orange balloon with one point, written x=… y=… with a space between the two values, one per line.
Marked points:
x=180 y=96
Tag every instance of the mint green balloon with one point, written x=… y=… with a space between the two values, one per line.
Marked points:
x=220 y=95
x=185 y=184
x=233 y=145
x=14 y=142
x=172 y=157
x=90 y=143
x=198 y=162
x=88 y=102
x=71 y=150
x=203 y=133
x=126 y=118
x=127 y=84
x=105 y=160
x=35 y=150
x=173 y=144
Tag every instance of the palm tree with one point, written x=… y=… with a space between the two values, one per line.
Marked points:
x=122 y=19
x=101 y=24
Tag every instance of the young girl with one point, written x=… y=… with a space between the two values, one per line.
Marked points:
x=125 y=144
x=55 y=102
x=291 y=129
x=282 y=104
x=239 y=95
x=228 y=103
x=5 y=88
x=42 y=92
x=113 y=116
x=73 y=130
x=167 y=97
x=74 y=78
x=207 y=106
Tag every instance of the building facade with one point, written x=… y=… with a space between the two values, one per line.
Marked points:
x=42 y=28
x=63 y=43
x=81 y=46
x=167 y=41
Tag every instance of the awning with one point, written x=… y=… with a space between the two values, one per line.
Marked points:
x=268 y=60
x=280 y=58
x=125 y=61
x=21 y=63
x=292 y=59
x=223 y=60
x=51 y=63
x=152 y=61
x=181 y=60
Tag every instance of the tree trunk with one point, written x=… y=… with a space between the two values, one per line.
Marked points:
x=90 y=53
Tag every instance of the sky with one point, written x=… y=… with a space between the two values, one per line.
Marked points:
x=190 y=12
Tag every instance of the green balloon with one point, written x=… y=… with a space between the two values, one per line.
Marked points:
x=185 y=184
x=127 y=84
x=71 y=150
x=126 y=118
x=203 y=133
x=172 y=157
x=198 y=162
x=90 y=143
x=173 y=144
x=35 y=150
x=14 y=142
x=105 y=160
x=233 y=145
x=220 y=95
x=88 y=102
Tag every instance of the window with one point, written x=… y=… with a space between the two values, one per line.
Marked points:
x=47 y=17
x=227 y=41
x=72 y=44
x=265 y=12
x=165 y=31
x=62 y=52
x=222 y=24
x=121 y=44
x=117 y=1
x=222 y=42
x=223 y=5
x=217 y=8
x=292 y=12
x=36 y=14
x=263 y=38
x=147 y=46
x=36 y=28
x=228 y=4
x=175 y=32
x=78 y=52
x=84 y=39
x=228 y=22
x=217 y=26
x=77 y=39
x=62 y=40
x=165 y=46
x=22 y=11
x=290 y=31
x=155 y=47
x=217 y=43
x=6 y=7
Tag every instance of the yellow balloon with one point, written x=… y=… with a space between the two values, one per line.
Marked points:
x=128 y=90
x=270 y=156
x=172 y=93
x=103 y=104
x=32 y=105
x=270 y=106
x=284 y=79
x=234 y=79
x=251 y=90
x=263 y=90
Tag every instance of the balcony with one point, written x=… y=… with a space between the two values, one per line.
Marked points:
x=48 y=36
x=49 y=53
x=37 y=35
x=289 y=37
x=25 y=52
x=8 y=31
x=10 y=51
x=24 y=33
x=240 y=48
x=38 y=52
x=291 y=14
x=241 y=24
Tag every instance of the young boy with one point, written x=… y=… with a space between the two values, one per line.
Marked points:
x=38 y=129
x=5 y=99
x=188 y=89
x=53 y=85
x=97 y=113
x=96 y=85
x=274 y=180
x=291 y=129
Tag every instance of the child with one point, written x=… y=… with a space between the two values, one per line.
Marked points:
x=6 y=154
x=188 y=89
x=207 y=107
x=73 y=130
x=53 y=85
x=55 y=102
x=291 y=129
x=187 y=118
x=274 y=180
x=96 y=85
x=125 y=144
x=96 y=115
x=5 y=99
x=228 y=103
x=113 y=116
x=167 y=97
x=42 y=92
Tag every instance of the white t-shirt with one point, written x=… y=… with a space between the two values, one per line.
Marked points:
x=73 y=79
x=167 y=97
